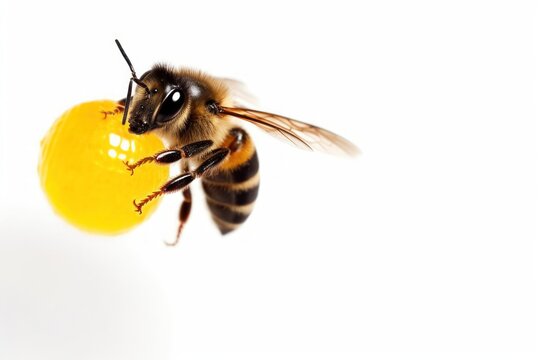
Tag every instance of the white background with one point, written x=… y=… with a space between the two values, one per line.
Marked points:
x=422 y=248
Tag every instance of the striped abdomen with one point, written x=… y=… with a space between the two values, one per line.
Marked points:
x=231 y=189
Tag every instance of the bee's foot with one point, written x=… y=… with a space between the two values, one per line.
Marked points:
x=138 y=207
x=119 y=108
x=129 y=167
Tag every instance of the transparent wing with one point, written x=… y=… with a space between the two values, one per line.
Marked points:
x=298 y=133
x=239 y=92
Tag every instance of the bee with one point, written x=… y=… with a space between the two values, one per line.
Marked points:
x=194 y=114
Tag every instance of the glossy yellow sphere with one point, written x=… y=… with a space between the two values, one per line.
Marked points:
x=82 y=171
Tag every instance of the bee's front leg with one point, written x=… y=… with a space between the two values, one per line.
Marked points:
x=120 y=107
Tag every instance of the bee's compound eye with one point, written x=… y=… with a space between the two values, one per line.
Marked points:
x=170 y=106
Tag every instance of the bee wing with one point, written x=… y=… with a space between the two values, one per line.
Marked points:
x=300 y=134
x=239 y=92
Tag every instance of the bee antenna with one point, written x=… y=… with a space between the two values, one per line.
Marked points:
x=128 y=101
x=126 y=57
x=133 y=74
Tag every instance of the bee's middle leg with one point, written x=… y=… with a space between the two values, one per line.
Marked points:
x=171 y=156
x=179 y=182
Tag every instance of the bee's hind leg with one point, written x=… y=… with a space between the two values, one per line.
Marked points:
x=183 y=215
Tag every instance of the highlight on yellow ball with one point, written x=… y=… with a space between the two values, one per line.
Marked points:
x=82 y=171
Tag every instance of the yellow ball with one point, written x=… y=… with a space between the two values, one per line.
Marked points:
x=82 y=172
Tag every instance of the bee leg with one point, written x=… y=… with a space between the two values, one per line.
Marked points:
x=185 y=210
x=120 y=106
x=181 y=181
x=171 y=156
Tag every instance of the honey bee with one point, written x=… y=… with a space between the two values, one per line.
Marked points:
x=194 y=114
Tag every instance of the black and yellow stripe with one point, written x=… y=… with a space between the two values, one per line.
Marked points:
x=232 y=188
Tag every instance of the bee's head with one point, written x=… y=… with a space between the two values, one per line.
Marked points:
x=157 y=107
x=158 y=100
